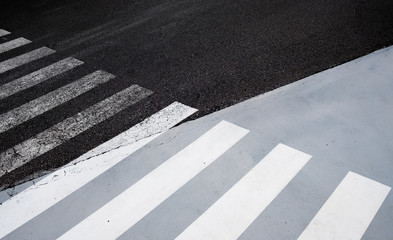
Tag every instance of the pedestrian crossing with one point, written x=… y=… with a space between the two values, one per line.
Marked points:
x=4 y=47
x=51 y=100
x=353 y=204
x=346 y=214
x=158 y=185
x=22 y=153
x=248 y=197
x=20 y=60
x=56 y=135
x=57 y=186
x=38 y=76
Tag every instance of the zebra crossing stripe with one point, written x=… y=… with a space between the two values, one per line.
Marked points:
x=34 y=200
x=230 y=216
x=349 y=210
x=25 y=58
x=51 y=100
x=38 y=76
x=110 y=221
x=4 y=47
x=3 y=32
x=144 y=131
x=69 y=128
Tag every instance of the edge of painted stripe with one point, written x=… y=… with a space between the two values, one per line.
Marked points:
x=36 y=77
x=13 y=44
x=349 y=210
x=53 y=99
x=235 y=211
x=25 y=58
x=3 y=32
x=32 y=201
x=110 y=221
x=56 y=135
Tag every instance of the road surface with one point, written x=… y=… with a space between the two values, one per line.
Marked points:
x=146 y=55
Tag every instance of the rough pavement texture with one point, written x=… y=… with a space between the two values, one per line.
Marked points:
x=205 y=54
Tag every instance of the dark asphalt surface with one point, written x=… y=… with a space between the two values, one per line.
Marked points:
x=205 y=54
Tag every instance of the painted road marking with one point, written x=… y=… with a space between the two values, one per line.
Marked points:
x=69 y=128
x=110 y=221
x=348 y=211
x=7 y=46
x=34 y=200
x=230 y=216
x=25 y=58
x=51 y=100
x=3 y=32
x=150 y=127
x=38 y=76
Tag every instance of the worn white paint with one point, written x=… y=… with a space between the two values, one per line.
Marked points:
x=69 y=128
x=7 y=46
x=58 y=185
x=25 y=58
x=3 y=32
x=230 y=216
x=348 y=211
x=51 y=100
x=157 y=123
x=38 y=76
x=110 y=221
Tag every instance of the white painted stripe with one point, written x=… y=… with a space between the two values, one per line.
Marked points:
x=114 y=218
x=157 y=123
x=38 y=76
x=69 y=128
x=56 y=186
x=349 y=210
x=4 y=47
x=51 y=100
x=3 y=32
x=230 y=216
x=25 y=58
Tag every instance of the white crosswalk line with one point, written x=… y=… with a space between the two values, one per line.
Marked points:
x=51 y=100
x=230 y=216
x=150 y=127
x=111 y=221
x=7 y=46
x=69 y=128
x=348 y=211
x=38 y=76
x=25 y=58
x=55 y=187
x=3 y=32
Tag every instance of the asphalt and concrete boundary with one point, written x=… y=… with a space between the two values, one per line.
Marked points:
x=342 y=117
